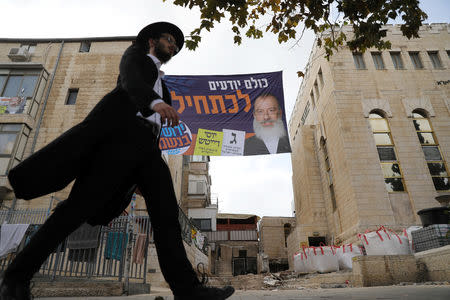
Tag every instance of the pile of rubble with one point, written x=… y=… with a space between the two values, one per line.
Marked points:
x=286 y=280
x=289 y=280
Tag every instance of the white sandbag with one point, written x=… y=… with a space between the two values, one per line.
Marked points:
x=400 y=244
x=409 y=235
x=322 y=259
x=299 y=263
x=345 y=253
x=374 y=242
x=384 y=242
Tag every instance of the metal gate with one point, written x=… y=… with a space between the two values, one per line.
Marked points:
x=244 y=265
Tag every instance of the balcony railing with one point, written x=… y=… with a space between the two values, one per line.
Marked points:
x=232 y=235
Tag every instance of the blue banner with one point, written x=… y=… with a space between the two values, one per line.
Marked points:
x=227 y=115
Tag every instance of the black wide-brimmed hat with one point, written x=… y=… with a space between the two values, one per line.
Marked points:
x=157 y=28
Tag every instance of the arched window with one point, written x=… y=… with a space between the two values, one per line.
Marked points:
x=430 y=146
x=390 y=166
x=329 y=173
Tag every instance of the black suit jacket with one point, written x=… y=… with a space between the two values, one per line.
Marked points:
x=138 y=74
x=134 y=91
x=254 y=146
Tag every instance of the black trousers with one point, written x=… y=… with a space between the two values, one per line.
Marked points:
x=130 y=156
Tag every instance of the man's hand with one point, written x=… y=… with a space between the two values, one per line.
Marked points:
x=168 y=113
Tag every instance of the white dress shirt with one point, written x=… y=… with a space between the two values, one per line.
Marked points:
x=155 y=118
x=271 y=144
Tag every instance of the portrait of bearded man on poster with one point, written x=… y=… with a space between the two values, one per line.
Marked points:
x=270 y=133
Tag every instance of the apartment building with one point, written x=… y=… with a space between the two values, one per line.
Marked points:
x=57 y=82
x=370 y=137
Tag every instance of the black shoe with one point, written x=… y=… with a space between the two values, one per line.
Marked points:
x=15 y=290
x=208 y=293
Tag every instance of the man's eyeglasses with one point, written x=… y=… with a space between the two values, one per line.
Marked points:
x=171 y=41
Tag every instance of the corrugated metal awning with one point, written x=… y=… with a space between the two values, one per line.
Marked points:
x=236 y=216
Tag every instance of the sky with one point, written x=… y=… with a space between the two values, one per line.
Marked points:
x=260 y=185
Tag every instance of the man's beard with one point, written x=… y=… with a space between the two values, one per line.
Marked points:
x=268 y=132
x=161 y=54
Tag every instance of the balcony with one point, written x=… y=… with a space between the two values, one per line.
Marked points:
x=232 y=235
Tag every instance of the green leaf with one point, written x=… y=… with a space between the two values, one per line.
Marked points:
x=365 y=16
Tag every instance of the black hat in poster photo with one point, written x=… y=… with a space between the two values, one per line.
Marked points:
x=155 y=29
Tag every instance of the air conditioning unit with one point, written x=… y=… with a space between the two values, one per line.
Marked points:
x=19 y=54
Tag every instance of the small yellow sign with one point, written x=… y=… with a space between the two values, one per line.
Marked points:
x=209 y=142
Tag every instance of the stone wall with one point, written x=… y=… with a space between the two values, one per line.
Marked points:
x=272 y=236
x=195 y=256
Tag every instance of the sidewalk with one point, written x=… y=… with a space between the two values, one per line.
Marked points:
x=410 y=292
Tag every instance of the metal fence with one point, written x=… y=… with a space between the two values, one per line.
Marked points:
x=24 y=216
x=117 y=251
x=190 y=233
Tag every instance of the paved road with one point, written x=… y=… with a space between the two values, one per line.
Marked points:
x=410 y=292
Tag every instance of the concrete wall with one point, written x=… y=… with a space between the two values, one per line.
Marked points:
x=384 y=270
x=430 y=265
x=436 y=263
x=195 y=256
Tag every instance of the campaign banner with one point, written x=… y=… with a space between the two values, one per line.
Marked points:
x=227 y=115
x=12 y=105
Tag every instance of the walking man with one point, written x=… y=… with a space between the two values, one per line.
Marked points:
x=113 y=149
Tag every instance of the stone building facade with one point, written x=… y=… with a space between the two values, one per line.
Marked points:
x=234 y=245
x=370 y=137
x=273 y=235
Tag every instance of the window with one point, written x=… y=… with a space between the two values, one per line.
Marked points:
x=430 y=146
x=397 y=60
x=329 y=174
x=72 y=97
x=13 y=139
x=312 y=98
x=320 y=78
x=359 y=61
x=435 y=60
x=17 y=90
x=242 y=253
x=415 y=59
x=378 y=60
x=202 y=224
x=85 y=46
x=19 y=85
x=448 y=53
x=316 y=89
x=199 y=158
x=2 y=82
x=305 y=113
x=197 y=185
x=390 y=167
